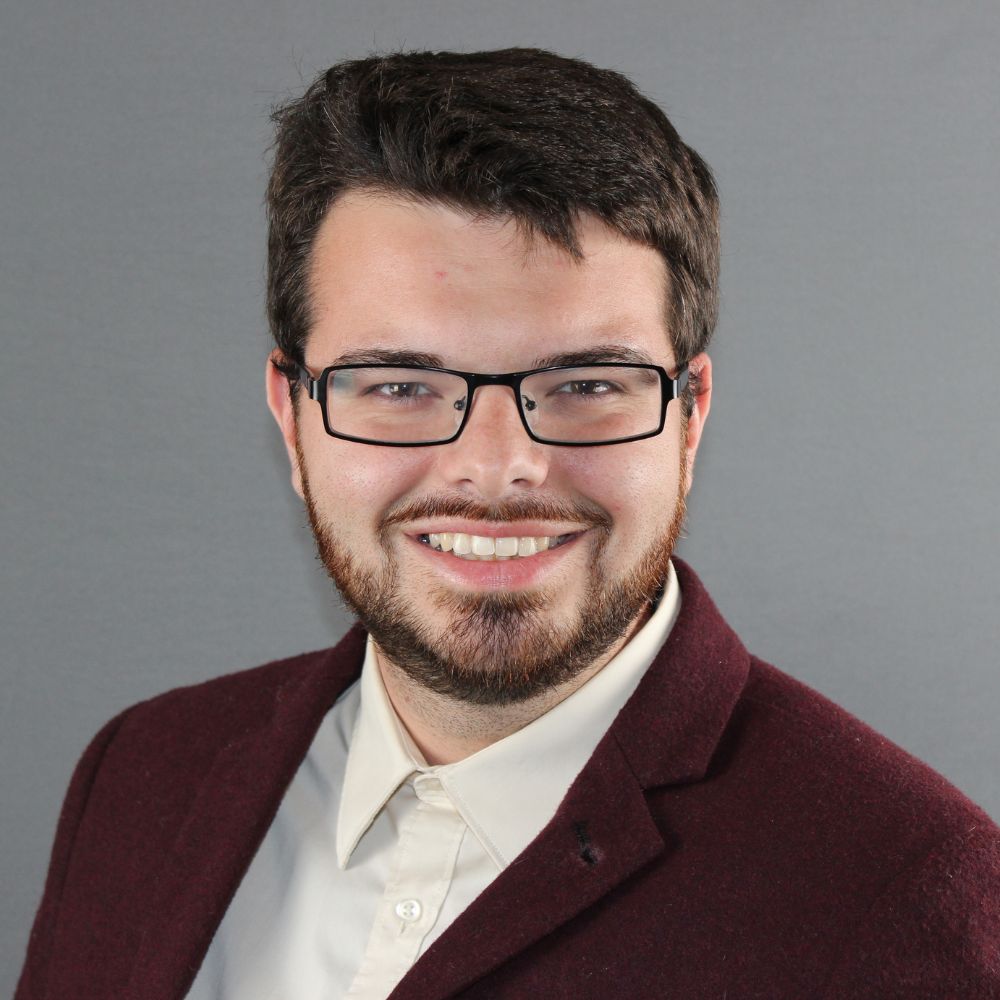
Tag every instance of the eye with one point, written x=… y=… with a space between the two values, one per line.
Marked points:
x=400 y=390
x=590 y=387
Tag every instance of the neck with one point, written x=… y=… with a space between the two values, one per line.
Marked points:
x=446 y=731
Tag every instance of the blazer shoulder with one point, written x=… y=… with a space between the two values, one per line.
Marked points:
x=182 y=729
x=248 y=691
x=837 y=754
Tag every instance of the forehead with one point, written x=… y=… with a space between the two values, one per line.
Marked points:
x=390 y=272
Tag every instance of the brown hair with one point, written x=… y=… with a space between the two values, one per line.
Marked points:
x=522 y=133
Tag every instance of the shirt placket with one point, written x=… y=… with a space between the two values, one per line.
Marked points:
x=422 y=870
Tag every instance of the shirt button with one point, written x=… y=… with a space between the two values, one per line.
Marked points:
x=409 y=910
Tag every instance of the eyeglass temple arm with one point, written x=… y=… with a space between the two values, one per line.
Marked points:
x=311 y=384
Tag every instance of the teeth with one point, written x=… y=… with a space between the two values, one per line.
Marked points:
x=488 y=548
x=482 y=546
x=506 y=546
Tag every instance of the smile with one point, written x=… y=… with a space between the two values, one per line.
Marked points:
x=488 y=549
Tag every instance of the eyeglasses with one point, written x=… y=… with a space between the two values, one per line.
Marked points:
x=410 y=406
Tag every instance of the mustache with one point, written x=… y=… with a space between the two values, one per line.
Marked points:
x=500 y=512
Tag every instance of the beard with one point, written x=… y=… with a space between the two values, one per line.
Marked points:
x=497 y=648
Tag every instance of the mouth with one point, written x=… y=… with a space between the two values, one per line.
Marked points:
x=485 y=548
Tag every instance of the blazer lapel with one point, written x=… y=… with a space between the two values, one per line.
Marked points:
x=231 y=810
x=580 y=856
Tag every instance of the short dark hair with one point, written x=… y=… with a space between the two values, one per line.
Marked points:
x=519 y=133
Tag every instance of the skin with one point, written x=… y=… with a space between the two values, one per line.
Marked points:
x=391 y=273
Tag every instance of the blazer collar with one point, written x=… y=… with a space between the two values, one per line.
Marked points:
x=670 y=728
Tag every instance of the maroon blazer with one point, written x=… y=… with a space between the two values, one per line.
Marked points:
x=734 y=835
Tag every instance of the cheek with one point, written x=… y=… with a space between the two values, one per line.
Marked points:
x=631 y=482
x=360 y=480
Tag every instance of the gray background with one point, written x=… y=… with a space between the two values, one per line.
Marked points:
x=845 y=510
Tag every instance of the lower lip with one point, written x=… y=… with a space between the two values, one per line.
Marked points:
x=490 y=574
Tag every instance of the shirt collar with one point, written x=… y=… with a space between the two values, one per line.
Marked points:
x=380 y=758
x=501 y=792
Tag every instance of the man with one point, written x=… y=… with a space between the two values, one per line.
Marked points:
x=542 y=764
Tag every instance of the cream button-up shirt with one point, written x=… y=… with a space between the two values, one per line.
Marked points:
x=374 y=853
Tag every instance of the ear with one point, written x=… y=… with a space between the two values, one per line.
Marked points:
x=700 y=381
x=279 y=401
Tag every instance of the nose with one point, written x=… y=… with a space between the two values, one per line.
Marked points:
x=494 y=456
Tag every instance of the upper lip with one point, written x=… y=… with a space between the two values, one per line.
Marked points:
x=493 y=529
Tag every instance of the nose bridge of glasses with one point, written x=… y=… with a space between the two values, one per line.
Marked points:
x=478 y=380
x=501 y=382
x=494 y=418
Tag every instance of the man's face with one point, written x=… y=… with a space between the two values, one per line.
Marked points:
x=388 y=275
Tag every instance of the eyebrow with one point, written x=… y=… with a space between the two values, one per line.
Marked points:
x=388 y=356
x=586 y=356
x=596 y=356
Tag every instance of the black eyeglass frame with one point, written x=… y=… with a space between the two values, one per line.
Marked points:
x=670 y=389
